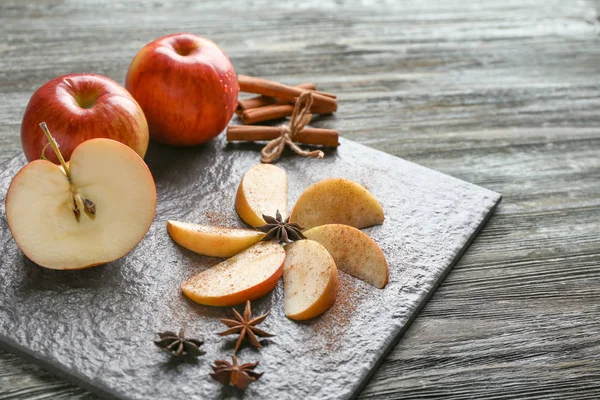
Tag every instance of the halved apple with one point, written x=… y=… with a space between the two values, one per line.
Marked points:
x=213 y=241
x=337 y=201
x=354 y=252
x=263 y=190
x=93 y=211
x=246 y=276
x=310 y=280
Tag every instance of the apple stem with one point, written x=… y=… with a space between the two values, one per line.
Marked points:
x=54 y=145
x=79 y=201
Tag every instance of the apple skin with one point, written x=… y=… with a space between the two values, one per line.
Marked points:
x=186 y=86
x=79 y=107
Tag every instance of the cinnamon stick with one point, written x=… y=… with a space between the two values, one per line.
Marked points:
x=261 y=101
x=267 y=113
x=314 y=136
x=322 y=104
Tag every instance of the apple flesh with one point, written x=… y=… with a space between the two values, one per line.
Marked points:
x=337 y=201
x=246 y=276
x=40 y=206
x=186 y=86
x=262 y=191
x=310 y=280
x=213 y=241
x=80 y=107
x=354 y=252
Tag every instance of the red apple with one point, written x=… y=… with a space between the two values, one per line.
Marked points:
x=79 y=107
x=186 y=86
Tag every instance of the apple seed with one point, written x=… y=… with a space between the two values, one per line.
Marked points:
x=89 y=206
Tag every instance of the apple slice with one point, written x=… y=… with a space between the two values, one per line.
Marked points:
x=246 y=276
x=354 y=252
x=263 y=190
x=213 y=241
x=310 y=280
x=337 y=201
x=90 y=212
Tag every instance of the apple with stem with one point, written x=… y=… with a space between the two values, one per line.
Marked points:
x=80 y=107
x=186 y=86
x=91 y=211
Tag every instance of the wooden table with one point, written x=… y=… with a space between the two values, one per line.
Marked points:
x=503 y=93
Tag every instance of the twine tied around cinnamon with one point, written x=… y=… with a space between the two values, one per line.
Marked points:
x=298 y=120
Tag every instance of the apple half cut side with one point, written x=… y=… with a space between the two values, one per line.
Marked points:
x=246 y=276
x=40 y=206
x=310 y=280
x=213 y=241
x=263 y=190
x=337 y=201
x=354 y=252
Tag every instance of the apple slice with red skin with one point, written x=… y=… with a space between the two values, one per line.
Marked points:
x=212 y=241
x=310 y=280
x=246 y=276
x=79 y=107
x=93 y=211
x=262 y=191
x=186 y=86
x=354 y=252
x=337 y=201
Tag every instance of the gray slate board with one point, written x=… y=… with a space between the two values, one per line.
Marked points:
x=96 y=326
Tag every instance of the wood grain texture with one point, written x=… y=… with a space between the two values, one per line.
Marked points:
x=504 y=94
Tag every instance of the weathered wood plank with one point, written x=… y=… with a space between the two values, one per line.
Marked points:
x=504 y=94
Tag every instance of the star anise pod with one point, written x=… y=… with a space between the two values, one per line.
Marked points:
x=245 y=326
x=178 y=344
x=282 y=231
x=234 y=374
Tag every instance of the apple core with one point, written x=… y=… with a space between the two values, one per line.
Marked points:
x=78 y=201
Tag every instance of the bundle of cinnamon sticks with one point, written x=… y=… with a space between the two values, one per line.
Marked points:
x=275 y=101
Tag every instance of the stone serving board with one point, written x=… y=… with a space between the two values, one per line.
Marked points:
x=96 y=326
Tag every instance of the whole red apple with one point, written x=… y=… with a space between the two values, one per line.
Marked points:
x=78 y=107
x=186 y=86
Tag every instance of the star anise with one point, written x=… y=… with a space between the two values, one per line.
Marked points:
x=283 y=231
x=234 y=374
x=178 y=344
x=245 y=326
